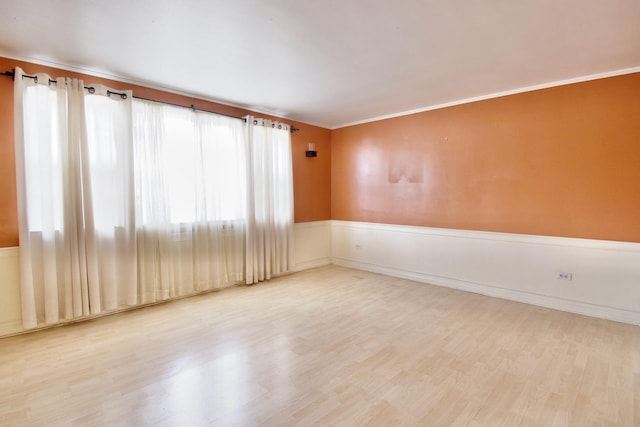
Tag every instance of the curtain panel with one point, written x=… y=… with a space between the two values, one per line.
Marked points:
x=270 y=200
x=190 y=200
x=76 y=223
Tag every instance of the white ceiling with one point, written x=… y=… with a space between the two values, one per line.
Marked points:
x=328 y=62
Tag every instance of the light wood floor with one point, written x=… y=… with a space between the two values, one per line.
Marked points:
x=331 y=346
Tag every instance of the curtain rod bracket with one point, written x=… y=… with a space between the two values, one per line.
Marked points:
x=11 y=74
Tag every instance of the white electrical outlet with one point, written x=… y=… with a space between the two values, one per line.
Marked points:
x=564 y=275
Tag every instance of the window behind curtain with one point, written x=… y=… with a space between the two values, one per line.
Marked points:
x=190 y=166
x=130 y=202
x=43 y=160
x=190 y=190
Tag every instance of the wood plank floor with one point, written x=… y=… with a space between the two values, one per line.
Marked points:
x=330 y=346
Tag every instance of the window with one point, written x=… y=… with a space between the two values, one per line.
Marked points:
x=189 y=165
x=125 y=202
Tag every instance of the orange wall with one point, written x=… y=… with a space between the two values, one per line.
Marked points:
x=311 y=177
x=562 y=161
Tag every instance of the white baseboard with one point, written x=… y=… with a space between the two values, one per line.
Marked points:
x=9 y=328
x=591 y=310
x=605 y=274
x=314 y=263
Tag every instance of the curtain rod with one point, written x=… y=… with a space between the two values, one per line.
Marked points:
x=91 y=89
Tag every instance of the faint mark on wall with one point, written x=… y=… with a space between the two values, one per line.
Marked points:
x=406 y=165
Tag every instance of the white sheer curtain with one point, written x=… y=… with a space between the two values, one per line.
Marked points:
x=124 y=202
x=190 y=200
x=269 y=244
x=74 y=175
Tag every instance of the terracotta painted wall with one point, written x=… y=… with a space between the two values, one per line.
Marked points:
x=562 y=161
x=312 y=177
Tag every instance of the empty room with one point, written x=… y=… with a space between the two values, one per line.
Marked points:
x=289 y=213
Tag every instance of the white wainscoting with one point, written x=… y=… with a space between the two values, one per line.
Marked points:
x=10 y=307
x=605 y=282
x=606 y=275
x=312 y=245
x=312 y=249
